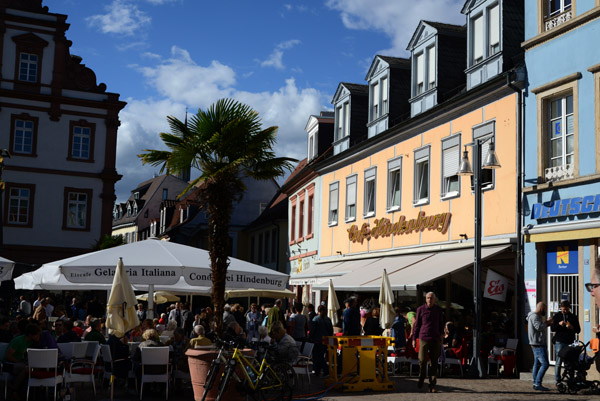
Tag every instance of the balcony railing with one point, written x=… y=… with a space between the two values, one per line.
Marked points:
x=559 y=173
x=553 y=22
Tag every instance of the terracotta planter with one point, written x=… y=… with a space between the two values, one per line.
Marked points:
x=199 y=362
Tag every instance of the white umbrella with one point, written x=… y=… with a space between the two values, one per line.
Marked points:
x=332 y=304
x=386 y=299
x=6 y=269
x=149 y=264
x=305 y=300
x=121 y=313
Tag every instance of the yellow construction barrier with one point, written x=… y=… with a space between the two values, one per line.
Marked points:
x=364 y=362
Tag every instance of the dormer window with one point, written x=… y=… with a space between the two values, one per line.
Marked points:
x=135 y=210
x=485 y=34
x=136 y=195
x=128 y=210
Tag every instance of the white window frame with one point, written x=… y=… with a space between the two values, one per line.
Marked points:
x=431 y=56
x=334 y=215
x=375 y=96
x=563 y=7
x=350 y=213
x=81 y=150
x=420 y=73
x=28 y=67
x=493 y=32
x=370 y=193
x=22 y=202
x=478 y=39
x=450 y=164
x=384 y=89
x=26 y=132
x=311 y=146
x=394 y=171
x=342 y=120
x=563 y=121
x=80 y=207
x=486 y=129
x=422 y=176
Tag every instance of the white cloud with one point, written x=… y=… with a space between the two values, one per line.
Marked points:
x=122 y=17
x=398 y=19
x=158 y=2
x=275 y=59
x=181 y=82
x=180 y=78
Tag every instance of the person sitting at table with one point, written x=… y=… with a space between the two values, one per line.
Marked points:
x=263 y=335
x=14 y=357
x=119 y=352
x=78 y=327
x=170 y=329
x=180 y=344
x=286 y=349
x=58 y=328
x=235 y=332
x=95 y=334
x=200 y=340
x=151 y=339
x=69 y=335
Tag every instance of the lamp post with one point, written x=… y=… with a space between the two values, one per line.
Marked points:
x=491 y=162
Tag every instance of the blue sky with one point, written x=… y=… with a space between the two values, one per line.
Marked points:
x=284 y=58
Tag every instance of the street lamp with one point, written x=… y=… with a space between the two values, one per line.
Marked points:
x=490 y=162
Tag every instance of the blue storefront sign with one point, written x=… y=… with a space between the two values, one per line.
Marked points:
x=566 y=207
x=562 y=258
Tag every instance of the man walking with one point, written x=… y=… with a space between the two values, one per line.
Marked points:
x=429 y=329
x=537 y=325
x=320 y=327
x=351 y=318
x=565 y=324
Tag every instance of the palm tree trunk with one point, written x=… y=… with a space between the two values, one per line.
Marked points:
x=219 y=201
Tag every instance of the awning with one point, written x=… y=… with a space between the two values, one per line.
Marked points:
x=322 y=272
x=406 y=272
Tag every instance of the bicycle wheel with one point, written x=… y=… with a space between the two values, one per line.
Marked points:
x=213 y=371
x=225 y=379
x=278 y=385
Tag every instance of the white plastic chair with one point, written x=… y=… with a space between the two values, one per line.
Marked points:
x=304 y=361
x=396 y=361
x=4 y=376
x=156 y=356
x=495 y=357
x=82 y=370
x=109 y=365
x=43 y=369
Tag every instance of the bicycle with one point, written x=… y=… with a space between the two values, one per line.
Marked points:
x=264 y=381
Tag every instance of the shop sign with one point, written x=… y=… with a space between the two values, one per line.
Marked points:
x=562 y=258
x=566 y=207
x=496 y=286
x=383 y=227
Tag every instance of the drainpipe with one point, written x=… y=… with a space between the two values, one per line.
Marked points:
x=518 y=85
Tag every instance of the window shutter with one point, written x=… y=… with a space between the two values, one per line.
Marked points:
x=422 y=153
x=420 y=68
x=431 y=64
x=351 y=191
x=494 y=25
x=333 y=196
x=346 y=119
x=375 y=94
x=451 y=161
x=477 y=38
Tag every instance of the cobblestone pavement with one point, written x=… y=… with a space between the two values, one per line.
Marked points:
x=450 y=388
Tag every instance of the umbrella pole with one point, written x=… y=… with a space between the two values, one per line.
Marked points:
x=150 y=312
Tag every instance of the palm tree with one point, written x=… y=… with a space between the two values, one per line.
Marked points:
x=226 y=143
